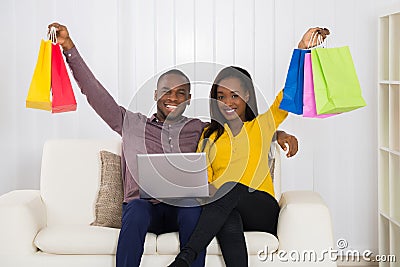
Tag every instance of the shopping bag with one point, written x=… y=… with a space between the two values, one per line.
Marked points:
x=63 y=96
x=292 y=100
x=39 y=89
x=336 y=86
x=309 y=109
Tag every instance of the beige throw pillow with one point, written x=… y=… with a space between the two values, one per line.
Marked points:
x=108 y=207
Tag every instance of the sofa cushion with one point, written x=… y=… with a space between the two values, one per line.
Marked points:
x=108 y=206
x=168 y=244
x=70 y=178
x=83 y=239
x=93 y=240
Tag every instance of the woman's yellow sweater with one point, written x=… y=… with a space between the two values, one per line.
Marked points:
x=244 y=158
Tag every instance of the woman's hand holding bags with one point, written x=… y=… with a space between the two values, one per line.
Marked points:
x=323 y=83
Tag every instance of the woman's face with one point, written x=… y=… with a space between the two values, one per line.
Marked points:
x=232 y=99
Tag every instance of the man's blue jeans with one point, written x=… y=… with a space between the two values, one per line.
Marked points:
x=139 y=216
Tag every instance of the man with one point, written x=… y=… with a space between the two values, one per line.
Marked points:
x=167 y=131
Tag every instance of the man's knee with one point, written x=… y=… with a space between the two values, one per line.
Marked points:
x=136 y=212
x=189 y=215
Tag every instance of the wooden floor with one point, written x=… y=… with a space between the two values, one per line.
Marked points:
x=356 y=263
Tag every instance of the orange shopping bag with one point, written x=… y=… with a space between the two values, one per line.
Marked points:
x=39 y=89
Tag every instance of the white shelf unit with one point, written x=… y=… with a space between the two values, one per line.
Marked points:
x=389 y=137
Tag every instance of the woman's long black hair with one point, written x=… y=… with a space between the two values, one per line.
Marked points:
x=217 y=119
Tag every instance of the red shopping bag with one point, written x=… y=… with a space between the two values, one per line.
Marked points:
x=63 y=96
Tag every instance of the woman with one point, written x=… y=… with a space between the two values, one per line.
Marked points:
x=237 y=143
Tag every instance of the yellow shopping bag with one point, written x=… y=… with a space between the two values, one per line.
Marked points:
x=39 y=90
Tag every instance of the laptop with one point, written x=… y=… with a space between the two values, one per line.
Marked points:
x=172 y=175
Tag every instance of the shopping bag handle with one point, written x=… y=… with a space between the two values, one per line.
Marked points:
x=320 y=41
x=52 y=35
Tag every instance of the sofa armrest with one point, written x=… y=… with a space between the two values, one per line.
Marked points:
x=304 y=222
x=22 y=214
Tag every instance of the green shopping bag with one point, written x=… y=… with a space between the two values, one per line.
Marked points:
x=336 y=85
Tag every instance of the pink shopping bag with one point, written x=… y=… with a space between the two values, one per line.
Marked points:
x=309 y=109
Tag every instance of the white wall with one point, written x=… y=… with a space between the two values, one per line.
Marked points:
x=127 y=42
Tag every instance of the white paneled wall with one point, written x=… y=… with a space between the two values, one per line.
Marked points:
x=126 y=43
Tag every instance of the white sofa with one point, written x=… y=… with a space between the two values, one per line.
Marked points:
x=51 y=226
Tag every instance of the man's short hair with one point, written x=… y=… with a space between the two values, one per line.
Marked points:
x=176 y=72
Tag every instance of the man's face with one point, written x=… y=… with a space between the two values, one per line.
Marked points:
x=172 y=96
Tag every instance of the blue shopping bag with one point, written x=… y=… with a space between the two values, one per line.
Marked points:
x=293 y=91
